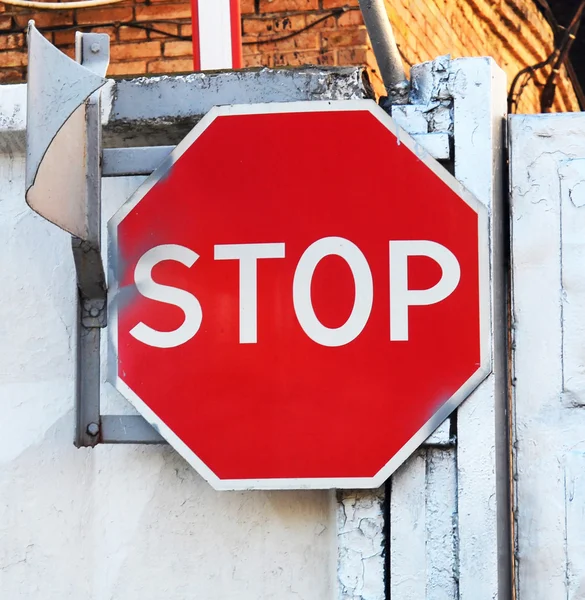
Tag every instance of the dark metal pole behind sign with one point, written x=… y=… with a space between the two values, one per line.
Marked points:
x=384 y=46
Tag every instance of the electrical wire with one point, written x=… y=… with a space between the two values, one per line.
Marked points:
x=149 y=27
x=115 y=24
x=334 y=13
x=548 y=93
x=528 y=73
x=558 y=56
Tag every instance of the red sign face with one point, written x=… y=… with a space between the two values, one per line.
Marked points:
x=299 y=297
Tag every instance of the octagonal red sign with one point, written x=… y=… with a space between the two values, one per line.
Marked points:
x=298 y=296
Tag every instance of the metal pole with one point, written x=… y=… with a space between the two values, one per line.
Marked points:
x=384 y=46
x=92 y=51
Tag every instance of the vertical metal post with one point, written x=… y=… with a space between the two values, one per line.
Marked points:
x=92 y=52
x=91 y=299
x=483 y=450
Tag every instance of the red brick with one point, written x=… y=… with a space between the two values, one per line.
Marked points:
x=341 y=39
x=110 y=31
x=137 y=50
x=338 y=3
x=49 y=18
x=259 y=60
x=308 y=40
x=69 y=51
x=350 y=18
x=5 y=22
x=250 y=49
x=171 y=28
x=11 y=41
x=326 y=24
x=294 y=59
x=64 y=38
x=161 y=12
x=126 y=34
x=104 y=15
x=12 y=58
x=171 y=65
x=268 y=26
x=247 y=6
x=274 y=6
x=135 y=67
x=178 y=48
x=186 y=30
x=352 y=56
x=11 y=75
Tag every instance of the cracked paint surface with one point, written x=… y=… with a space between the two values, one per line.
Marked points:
x=547 y=186
x=360 y=539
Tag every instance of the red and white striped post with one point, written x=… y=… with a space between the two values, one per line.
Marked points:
x=217 y=39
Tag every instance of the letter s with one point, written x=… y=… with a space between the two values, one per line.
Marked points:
x=167 y=294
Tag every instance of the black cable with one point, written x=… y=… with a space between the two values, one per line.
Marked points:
x=558 y=56
x=148 y=27
x=153 y=29
x=548 y=93
x=116 y=24
x=334 y=13
x=530 y=73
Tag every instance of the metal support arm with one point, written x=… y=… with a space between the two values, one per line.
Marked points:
x=385 y=49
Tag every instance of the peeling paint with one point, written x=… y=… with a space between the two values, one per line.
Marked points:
x=360 y=540
x=547 y=196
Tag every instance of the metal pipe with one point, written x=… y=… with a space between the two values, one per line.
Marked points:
x=384 y=45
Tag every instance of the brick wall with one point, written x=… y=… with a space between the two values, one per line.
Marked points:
x=153 y=36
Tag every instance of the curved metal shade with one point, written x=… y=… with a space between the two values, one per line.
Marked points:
x=55 y=134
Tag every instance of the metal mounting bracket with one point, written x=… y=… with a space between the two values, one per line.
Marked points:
x=63 y=185
x=65 y=166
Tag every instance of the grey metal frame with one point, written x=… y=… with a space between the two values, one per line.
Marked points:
x=91 y=280
x=92 y=53
x=91 y=427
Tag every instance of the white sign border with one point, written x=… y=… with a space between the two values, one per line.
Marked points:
x=431 y=425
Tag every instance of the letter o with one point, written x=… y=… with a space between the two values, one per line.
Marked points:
x=364 y=291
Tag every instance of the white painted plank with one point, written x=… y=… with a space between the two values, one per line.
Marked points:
x=441 y=524
x=572 y=182
x=549 y=312
x=408 y=557
x=436 y=144
x=441 y=436
x=575 y=519
x=537 y=358
x=411 y=118
x=479 y=90
x=360 y=545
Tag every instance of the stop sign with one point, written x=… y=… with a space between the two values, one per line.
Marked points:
x=298 y=296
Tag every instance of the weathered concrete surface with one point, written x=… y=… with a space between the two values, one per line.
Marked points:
x=548 y=247
x=361 y=541
x=118 y=522
x=161 y=110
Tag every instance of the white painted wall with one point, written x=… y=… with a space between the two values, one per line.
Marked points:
x=547 y=186
x=119 y=522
